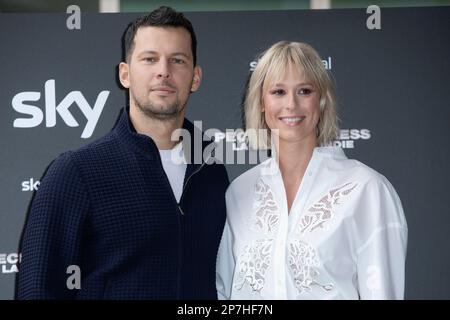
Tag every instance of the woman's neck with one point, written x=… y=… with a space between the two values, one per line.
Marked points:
x=294 y=156
x=293 y=160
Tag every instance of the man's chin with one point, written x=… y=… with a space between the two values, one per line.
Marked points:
x=162 y=114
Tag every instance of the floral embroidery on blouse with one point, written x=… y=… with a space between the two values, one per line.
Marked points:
x=322 y=211
x=253 y=264
x=303 y=262
x=266 y=209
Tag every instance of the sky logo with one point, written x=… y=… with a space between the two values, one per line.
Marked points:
x=30 y=185
x=21 y=103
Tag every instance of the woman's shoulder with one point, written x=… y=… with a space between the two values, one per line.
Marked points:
x=372 y=190
x=247 y=180
x=371 y=182
x=336 y=161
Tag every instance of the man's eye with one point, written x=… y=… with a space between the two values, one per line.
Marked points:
x=149 y=59
x=178 y=61
x=277 y=92
x=305 y=91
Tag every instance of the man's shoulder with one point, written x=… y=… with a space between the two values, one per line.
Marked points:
x=88 y=155
x=103 y=152
x=101 y=147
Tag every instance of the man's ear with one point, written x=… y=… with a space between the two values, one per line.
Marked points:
x=197 y=78
x=124 y=74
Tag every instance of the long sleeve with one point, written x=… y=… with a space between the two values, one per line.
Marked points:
x=225 y=265
x=52 y=236
x=381 y=258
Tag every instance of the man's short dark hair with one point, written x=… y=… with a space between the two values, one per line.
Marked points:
x=162 y=17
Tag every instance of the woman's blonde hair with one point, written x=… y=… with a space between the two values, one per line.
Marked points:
x=271 y=68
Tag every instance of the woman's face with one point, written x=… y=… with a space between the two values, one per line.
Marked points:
x=292 y=106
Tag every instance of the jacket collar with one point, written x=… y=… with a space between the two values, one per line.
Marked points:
x=145 y=145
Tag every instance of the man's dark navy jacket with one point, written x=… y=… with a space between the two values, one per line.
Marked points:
x=108 y=208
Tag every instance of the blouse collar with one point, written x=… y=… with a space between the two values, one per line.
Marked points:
x=270 y=166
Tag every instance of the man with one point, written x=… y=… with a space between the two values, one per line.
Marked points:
x=126 y=213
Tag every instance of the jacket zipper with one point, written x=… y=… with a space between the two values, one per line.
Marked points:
x=180 y=246
x=180 y=256
x=185 y=185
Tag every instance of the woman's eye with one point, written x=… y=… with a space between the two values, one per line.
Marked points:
x=305 y=91
x=277 y=92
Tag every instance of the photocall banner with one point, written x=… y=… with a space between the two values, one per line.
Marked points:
x=59 y=90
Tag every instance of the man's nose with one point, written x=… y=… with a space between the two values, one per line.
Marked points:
x=163 y=69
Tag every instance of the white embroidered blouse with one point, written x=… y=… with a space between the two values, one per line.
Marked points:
x=344 y=238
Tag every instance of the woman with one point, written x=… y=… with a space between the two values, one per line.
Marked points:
x=307 y=223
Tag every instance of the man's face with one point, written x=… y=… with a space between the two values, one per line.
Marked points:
x=160 y=73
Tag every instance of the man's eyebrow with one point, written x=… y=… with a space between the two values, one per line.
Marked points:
x=173 y=54
x=181 y=54
x=148 y=52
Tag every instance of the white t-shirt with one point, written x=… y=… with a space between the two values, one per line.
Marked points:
x=344 y=238
x=174 y=165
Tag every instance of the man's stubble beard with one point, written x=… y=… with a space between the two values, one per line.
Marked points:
x=160 y=112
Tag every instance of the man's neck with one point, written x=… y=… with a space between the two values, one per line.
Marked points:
x=159 y=130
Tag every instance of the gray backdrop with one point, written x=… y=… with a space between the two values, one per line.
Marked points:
x=393 y=88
